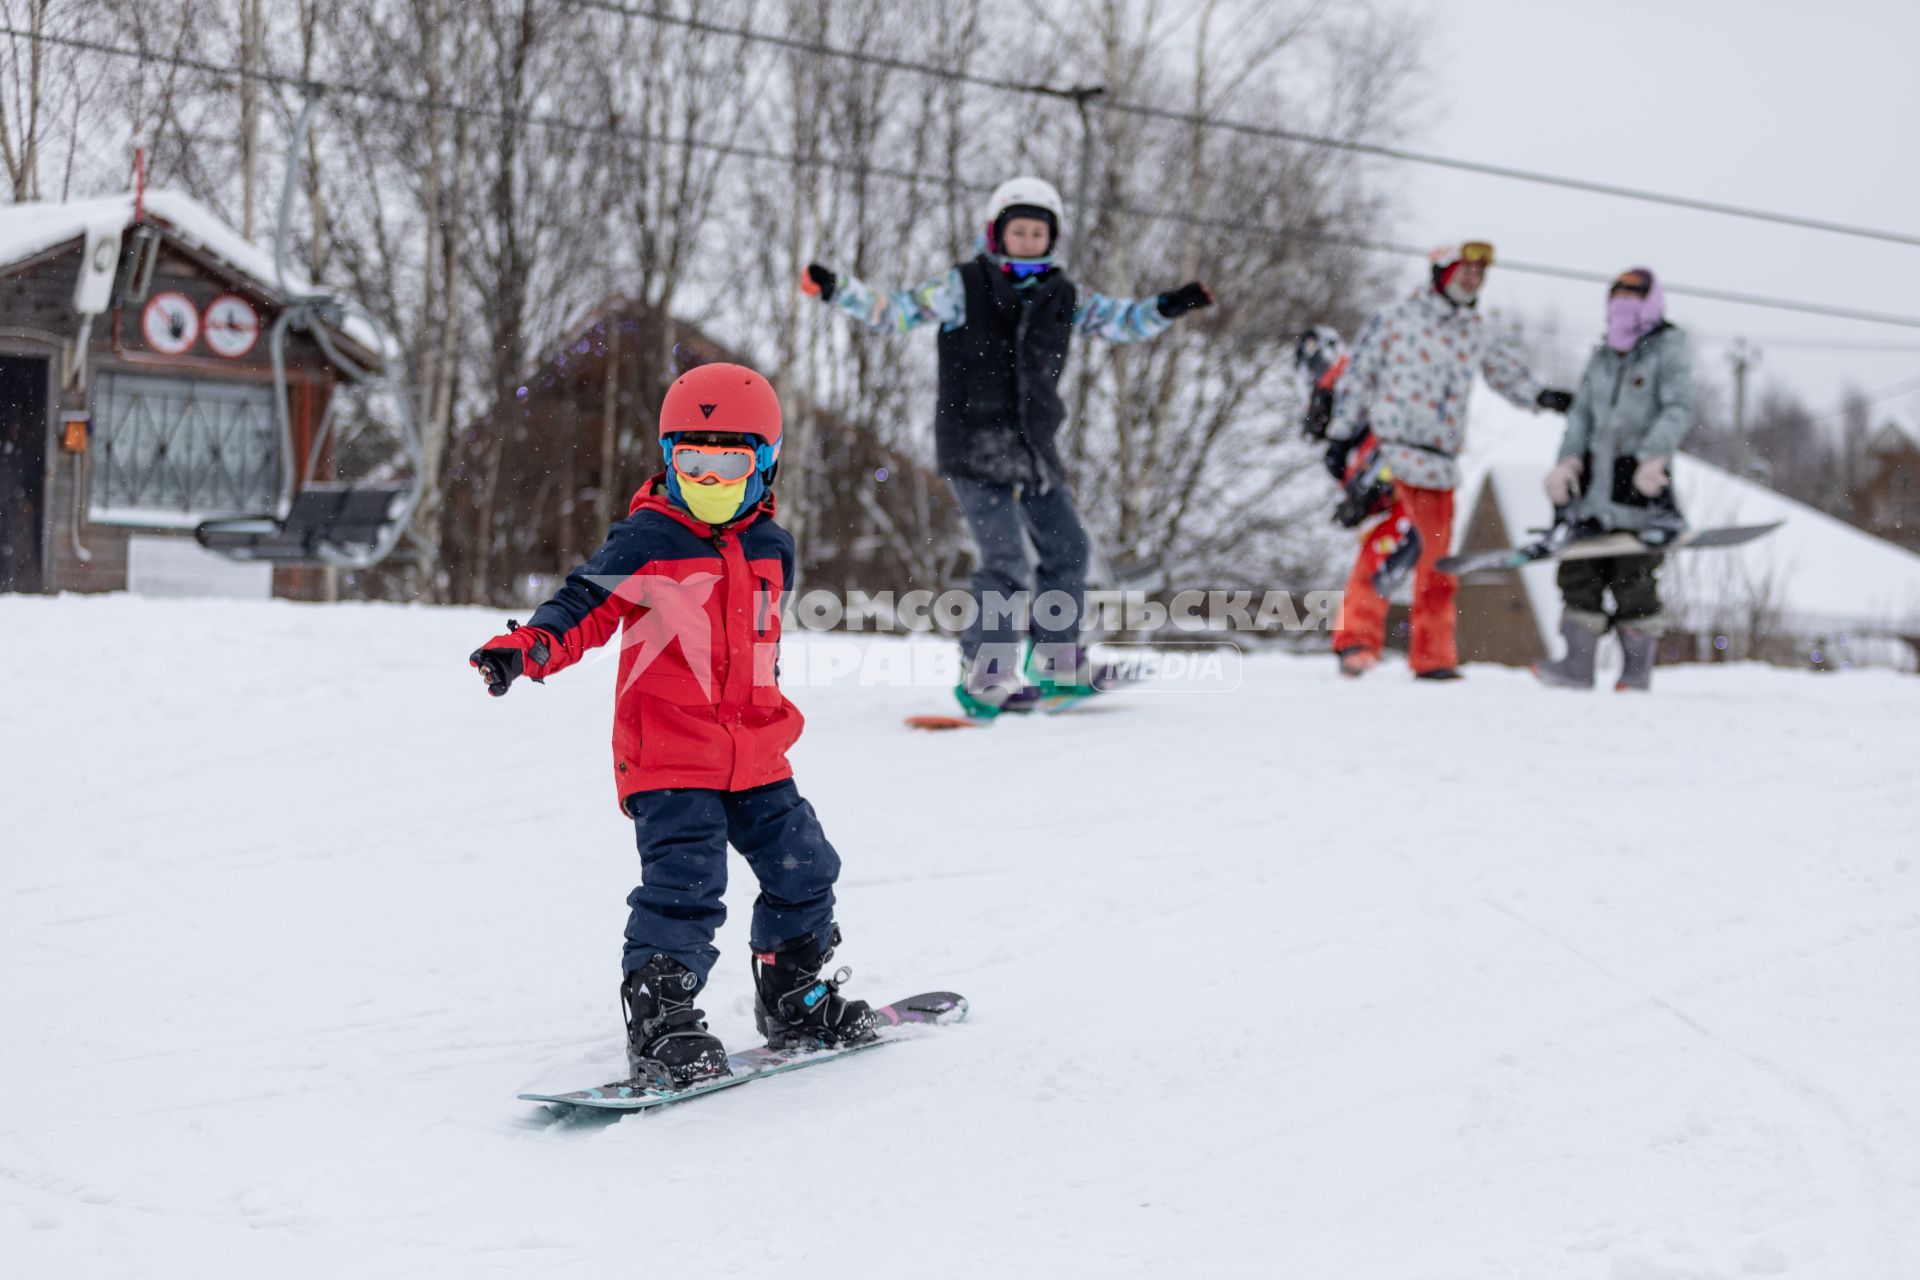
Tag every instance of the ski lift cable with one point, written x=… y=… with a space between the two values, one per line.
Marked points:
x=1871 y=398
x=547 y=120
x=1810 y=344
x=1274 y=132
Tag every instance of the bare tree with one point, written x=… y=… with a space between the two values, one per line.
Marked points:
x=1177 y=422
x=46 y=99
x=485 y=172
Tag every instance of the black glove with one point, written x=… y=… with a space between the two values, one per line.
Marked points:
x=819 y=282
x=503 y=659
x=1319 y=414
x=1188 y=297
x=1557 y=401
x=1338 y=451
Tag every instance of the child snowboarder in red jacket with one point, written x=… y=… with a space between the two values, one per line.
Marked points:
x=694 y=577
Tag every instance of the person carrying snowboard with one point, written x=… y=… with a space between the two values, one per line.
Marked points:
x=1633 y=408
x=1006 y=318
x=693 y=578
x=1408 y=381
x=1357 y=466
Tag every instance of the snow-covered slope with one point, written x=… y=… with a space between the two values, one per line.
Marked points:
x=1318 y=979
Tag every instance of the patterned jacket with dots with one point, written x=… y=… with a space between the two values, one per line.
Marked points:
x=1410 y=377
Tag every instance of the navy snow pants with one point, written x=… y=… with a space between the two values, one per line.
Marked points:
x=683 y=835
x=997 y=514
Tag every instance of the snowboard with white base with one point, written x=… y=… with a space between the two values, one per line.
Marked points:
x=1559 y=546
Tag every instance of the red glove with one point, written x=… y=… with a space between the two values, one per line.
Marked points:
x=523 y=651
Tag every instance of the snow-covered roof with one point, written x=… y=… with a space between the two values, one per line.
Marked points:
x=1821 y=573
x=29 y=229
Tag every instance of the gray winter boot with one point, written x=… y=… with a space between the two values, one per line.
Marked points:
x=1582 y=632
x=1636 y=673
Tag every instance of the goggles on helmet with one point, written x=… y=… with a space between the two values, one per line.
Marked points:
x=726 y=464
x=1477 y=253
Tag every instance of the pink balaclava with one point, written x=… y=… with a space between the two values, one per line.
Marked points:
x=1631 y=317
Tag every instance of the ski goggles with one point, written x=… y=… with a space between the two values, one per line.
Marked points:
x=725 y=463
x=1632 y=282
x=1477 y=253
x=1023 y=268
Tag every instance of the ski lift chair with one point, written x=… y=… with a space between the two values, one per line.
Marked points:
x=328 y=523
x=350 y=525
x=347 y=525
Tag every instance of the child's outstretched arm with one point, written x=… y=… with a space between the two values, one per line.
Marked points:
x=582 y=615
x=1130 y=320
x=941 y=300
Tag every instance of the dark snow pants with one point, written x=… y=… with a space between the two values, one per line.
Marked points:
x=997 y=514
x=683 y=835
x=1633 y=580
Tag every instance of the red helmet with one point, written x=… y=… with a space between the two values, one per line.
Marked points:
x=721 y=397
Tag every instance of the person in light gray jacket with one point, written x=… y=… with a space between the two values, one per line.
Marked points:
x=1633 y=408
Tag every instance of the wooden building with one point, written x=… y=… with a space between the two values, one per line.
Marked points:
x=138 y=397
x=1889 y=502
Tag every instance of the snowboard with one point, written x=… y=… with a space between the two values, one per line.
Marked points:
x=1558 y=546
x=1046 y=707
x=931 y=1008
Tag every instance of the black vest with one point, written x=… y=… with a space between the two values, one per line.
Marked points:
x=1000 y=406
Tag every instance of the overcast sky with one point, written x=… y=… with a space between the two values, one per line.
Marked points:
x=1793 y=107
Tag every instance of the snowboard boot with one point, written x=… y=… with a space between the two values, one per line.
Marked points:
x=998 y=700
x=668 y=1043
x=1582 y=632
x=1068 y=671
x=1641 y=646
x=1356 y=661
x=993 y=687
x=795 y=1008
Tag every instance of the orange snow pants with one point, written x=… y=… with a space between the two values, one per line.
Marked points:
x=1363 y=611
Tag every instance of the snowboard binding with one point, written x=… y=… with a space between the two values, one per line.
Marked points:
x=795 y=1008
x=668 y=1044
x=1366 y=485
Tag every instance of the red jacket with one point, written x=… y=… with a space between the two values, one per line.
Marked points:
x=698 y=606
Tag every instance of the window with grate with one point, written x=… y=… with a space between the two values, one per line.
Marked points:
x=171 y=452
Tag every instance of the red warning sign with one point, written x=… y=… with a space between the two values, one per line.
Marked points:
x=233 y=326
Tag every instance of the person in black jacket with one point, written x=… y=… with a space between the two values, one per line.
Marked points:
x=1006 y=318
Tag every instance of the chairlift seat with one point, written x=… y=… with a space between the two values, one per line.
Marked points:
x=324 y=517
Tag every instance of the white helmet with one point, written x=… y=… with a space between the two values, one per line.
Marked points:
x=1027 y=190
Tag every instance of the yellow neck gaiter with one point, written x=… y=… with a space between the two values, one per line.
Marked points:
x=714 y=503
